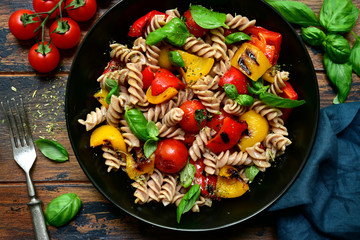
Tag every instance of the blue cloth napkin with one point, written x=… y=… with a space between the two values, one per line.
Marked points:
x=324 y=201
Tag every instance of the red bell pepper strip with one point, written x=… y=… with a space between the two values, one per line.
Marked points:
x=217 y=120
x=138 y=27
x=207 y=182
x=113 y=65
x=268 y=41
x=147 y=77
x=235 y=77
x=288 y=92
x=228 y=136
x=163 y=80
x=192 y=26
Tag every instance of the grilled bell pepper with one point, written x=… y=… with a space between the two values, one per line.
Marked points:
x=137 y=29
x=137 y=164
x=251 y=61
x=195 y=67
x=101 y=97
x=108 y=134
x=288 y=92
x=163 y=80
x=162 y=97
x=147 y=77
x=228 y=135
x=267 y=41
x=229 y=183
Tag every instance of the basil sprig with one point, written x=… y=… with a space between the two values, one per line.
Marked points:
x=295 y=12
x=337 y=47
x=251 y=172
x=241 y=99
x=206 y=18
x=174 y=33
x=338 y=15
x=146 y=131
x=340 y=75
x=113 y=87
x=270 y=99
x=52 y=150
x=62 y=209
x=313 y=36
x=200 y=115
x=187 y=175
x=176 y=59
x=355 y=55
x=188 y=201
x=236 y=37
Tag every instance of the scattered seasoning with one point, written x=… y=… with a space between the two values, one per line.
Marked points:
x=13 y=88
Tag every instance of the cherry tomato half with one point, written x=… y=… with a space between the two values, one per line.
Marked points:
x=65 y=33
x=16 y=24
x=188 y=122
x=44 y=62
x=47 y=5
x=171 y=155
x=81 y=10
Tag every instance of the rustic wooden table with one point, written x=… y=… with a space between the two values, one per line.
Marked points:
x=98 y=218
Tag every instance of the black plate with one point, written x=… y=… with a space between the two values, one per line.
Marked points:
x=93 y=56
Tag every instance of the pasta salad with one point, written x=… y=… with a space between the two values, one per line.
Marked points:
x=194 y=109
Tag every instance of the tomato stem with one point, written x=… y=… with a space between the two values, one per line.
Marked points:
x=42 y=25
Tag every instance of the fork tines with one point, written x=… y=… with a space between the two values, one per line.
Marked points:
x=19 y=130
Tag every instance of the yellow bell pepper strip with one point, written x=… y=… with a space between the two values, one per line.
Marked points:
x=163 y=59
x=101 y=96
x=229 y=183
x=139 y=166
x=162 y=97
x=250 y=60
x=269 y=75
x=195 y=67
x=106 y=134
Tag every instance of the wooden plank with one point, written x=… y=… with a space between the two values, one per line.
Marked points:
x=99 y=219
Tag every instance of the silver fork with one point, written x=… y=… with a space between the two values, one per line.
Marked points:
x=25 y=155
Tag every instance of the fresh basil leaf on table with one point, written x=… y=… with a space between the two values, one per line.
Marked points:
x=206 y=18
x=337 y=48
x=188 y=201
x=62 y=209
x=355 y=55
x=295 y=12
x=340 y=75
x=236 y=37
x=338 y=15
x=52 y=150
x=187 y=175
x=313 y=36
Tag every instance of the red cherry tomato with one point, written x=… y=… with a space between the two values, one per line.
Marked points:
x=235 y=77
x=171 y=155
x=81 y=10
x=228 y=136
x=44 y=57
x=189 y=138
x=217 y=120
x=147 y=77
x=47 y=5
x=192 y=26
x=16 y=24
x=65 y=33
x=188 y=122
x=163 y=80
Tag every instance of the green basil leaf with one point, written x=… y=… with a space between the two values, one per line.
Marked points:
x=231 y=91
x=113 y=91
x=337 y=48
x=52 y=150
x=200 y=115
x=152 y=130
x=187 y=175
x=279 y=102
x=137 y=123
x=206 y=18
x=150 y=147
x=110 y=84
x=174 y=32
x=340 y=75
x=62 y=209
x=313 y=36
x=251 y=172
x=176 y=59
x=188 y=201
x=258 y=87
x=295 y=12
x=338 y=15
x=244 y=100
x=355 y=56
x=236 y=37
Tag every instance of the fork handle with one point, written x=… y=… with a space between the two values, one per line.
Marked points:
x=38 y=219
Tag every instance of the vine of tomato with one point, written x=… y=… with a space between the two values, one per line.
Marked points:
x=41 y=6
